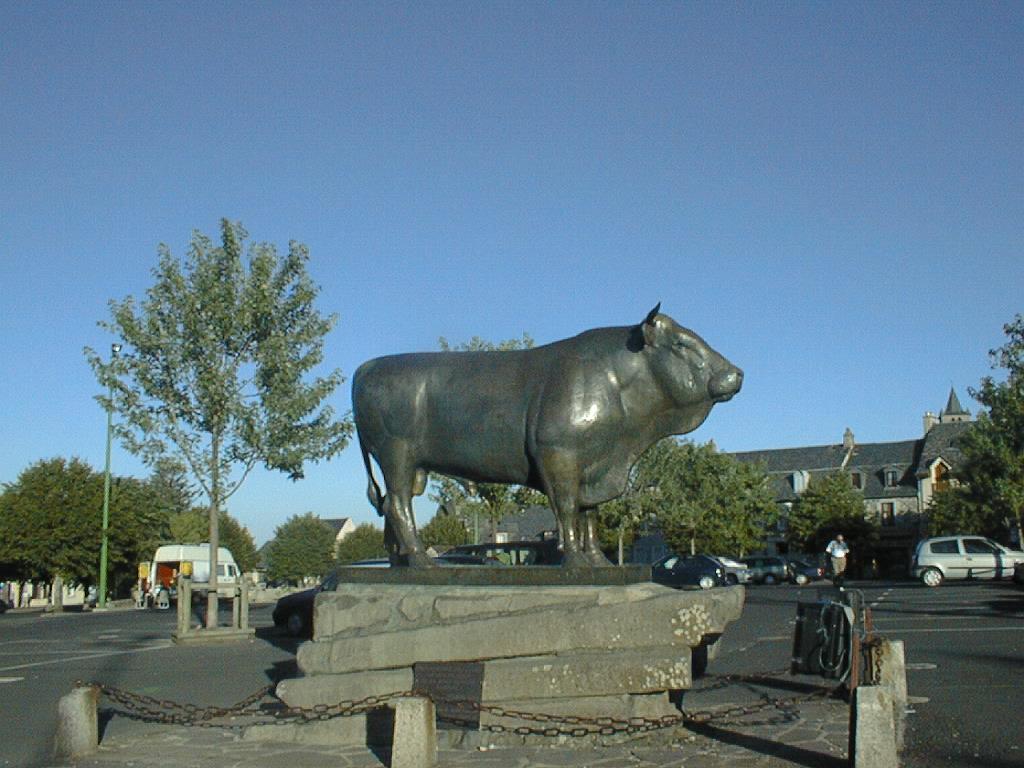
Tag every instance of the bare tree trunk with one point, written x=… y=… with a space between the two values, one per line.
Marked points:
x=211 y=596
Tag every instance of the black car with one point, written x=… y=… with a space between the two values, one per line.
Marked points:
x=294 y=612
x=678 y=571
x=803 y=572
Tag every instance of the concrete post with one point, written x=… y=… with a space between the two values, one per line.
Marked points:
x=872 y=731
x=78 y=732
x=415 y=738
x=184 y=604
x=893 y=676
x=236 y=608
x=244 y=622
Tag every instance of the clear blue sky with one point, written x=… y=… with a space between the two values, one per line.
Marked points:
x=830 y=193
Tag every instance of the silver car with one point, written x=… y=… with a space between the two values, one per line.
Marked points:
x=962 y=557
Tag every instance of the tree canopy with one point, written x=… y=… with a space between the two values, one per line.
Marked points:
x=703 y=500
x=830 y=505
x=364 y=543
x=215 y=369
x=444 y=531
x=990 y=496
x=302 y=550
x=51 y=523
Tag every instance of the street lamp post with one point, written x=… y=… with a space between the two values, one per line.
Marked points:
x=102 y=597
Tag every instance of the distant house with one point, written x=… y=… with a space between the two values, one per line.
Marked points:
x=897 y=479
x=342 y=527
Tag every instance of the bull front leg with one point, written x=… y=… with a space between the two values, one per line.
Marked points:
x=588 y=538
x=560 y=478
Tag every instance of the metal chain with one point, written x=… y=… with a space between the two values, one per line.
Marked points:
x=149 y=709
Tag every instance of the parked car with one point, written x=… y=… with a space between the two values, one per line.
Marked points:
x=736 y=572
x=678 y=571
x=768 y=569
x=802 y=572
x=962 y=557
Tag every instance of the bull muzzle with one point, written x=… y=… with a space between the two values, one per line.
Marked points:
x=726 y=384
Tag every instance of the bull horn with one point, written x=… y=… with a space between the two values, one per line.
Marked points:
x=652 y=314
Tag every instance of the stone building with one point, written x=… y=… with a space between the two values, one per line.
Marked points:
x=897 y=479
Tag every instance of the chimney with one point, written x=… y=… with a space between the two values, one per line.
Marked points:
x=848 y=446
x=930 y=420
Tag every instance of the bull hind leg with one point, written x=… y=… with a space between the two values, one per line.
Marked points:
x=402 y=479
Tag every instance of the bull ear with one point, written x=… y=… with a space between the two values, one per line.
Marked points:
x=648 y=326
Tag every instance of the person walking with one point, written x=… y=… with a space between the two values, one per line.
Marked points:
x=837 y=550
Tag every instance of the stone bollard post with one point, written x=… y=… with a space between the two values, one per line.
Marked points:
x=236 y=607
x=892 y=670
x=184 y=604
x=78 y=732
x=244 y=621
x=415 y=739
x=872 y=732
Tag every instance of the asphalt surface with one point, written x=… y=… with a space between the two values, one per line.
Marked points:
x=964 y=649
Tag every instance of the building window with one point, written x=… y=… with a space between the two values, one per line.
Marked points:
x=941 y=477
x=888 y=513
x=892 y=478
x=855 y=479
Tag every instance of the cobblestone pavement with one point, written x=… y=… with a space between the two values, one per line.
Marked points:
x=811 y=733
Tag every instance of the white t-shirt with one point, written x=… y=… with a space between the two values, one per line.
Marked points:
x=837 y=548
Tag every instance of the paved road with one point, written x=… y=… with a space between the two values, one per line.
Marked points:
x=964 y=647
x=41 y=656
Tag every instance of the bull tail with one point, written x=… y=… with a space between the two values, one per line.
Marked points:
x=373 y=492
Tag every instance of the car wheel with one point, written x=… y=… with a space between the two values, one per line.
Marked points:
x=932 y=577
x=706 y=582
x=769 y=579
x=295 y=625
x=732 y=579
x=801 y=579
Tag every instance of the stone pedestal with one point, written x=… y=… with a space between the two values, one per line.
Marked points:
x=603 y=651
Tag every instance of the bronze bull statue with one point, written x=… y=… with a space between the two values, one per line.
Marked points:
x=568 y=419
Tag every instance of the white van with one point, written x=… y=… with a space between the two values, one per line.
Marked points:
x=167 y=560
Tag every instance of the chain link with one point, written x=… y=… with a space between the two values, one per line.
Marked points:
x=256 y=711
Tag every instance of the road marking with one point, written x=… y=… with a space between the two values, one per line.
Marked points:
x=921 y=665
x=87 y=657
x=11 y=679
x=949 y=630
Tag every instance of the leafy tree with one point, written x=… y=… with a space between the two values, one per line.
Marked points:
x=992 y=471
x=51 y=518
x=190 y=527
x=212 y=373
x=955 y=510
x=704 y=500
x=445 y=531
x=365 y=542
x=828 y=506
x=618 y=519
x=172 y=492
x=302 y=549
x=493 y=501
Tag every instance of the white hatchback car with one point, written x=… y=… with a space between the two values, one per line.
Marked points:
x=962 y=557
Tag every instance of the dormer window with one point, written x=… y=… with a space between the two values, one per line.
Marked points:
x=892 y=478
x=941 y=477
x=800 y=479
x=856 y=480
